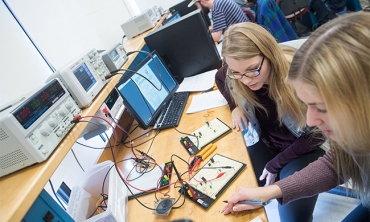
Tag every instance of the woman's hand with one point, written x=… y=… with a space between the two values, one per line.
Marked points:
x=237 y=116
x=270 y=177
x=263 y=194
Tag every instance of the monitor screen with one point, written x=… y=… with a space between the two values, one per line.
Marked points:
x=114 y=55
x=172 y=18
x=183 y=8
x=186 y=46
x=84 y=76
x=147 y=90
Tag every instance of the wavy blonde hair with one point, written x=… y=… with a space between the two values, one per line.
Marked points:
x=336 y=61
x=247 y=40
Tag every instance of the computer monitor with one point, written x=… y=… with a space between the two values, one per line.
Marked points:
x=186 y=46
x=147 y=90
x=183 y=8
x=173 y=17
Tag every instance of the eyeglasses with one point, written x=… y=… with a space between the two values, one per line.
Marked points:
x=250 y=73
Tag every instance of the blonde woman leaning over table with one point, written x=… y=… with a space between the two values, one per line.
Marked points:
x=254 y=79
x=330 y=74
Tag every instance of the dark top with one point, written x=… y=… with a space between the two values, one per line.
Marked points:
x=276 y=137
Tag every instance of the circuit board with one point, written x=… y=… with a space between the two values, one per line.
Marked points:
x=208 y=133
x=206 y=185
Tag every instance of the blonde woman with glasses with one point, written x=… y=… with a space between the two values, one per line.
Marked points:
x=331 y=76
x=254 y=79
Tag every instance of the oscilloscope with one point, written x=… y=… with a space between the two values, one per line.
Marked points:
x=84 y=77
x=30 y=132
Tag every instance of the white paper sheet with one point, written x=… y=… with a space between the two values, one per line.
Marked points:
x=199 y=82
x=206 y=101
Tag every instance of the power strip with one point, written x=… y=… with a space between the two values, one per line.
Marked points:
x=205 y=135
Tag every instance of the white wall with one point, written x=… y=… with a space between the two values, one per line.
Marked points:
x=166 y=4
x=65 y=29
x=22 y=69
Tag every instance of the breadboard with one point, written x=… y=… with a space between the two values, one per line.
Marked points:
x=208 y=133
x=206 y=184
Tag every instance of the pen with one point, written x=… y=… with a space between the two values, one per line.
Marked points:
x=250 y=202
x=244 y=128
x=208 y=90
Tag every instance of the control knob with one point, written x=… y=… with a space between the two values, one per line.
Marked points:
x=69 y=105
x=45 y=130
x=52 y=122
x=63 y=111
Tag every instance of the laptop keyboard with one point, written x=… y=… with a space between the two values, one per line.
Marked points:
x=170 y=117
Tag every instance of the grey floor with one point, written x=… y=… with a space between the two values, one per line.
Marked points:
x=329 y=208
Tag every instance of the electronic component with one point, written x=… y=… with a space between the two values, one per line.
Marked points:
x=183 y=37
x=84 y=77
x=147 y=90
x=216 y=175
x=165 y=180
x=149 y=180
x=30 y=132
x=115 y=57
x=164 y=206
x=208 y=133
x=46 y=209
x=139 y=24
x=189 y=145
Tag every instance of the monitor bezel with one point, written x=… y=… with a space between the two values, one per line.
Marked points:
x=128 y=74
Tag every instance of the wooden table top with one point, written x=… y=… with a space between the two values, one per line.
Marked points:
x=167 y=143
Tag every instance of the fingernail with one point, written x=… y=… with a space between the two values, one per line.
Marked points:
x=235 y=208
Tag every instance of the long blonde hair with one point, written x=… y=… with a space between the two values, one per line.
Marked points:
x=247 y=40
x=336 y=60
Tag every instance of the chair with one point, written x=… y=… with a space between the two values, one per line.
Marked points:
x=294 y=10
x=250 y=14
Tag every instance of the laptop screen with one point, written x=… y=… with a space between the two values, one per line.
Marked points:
x=147 y=89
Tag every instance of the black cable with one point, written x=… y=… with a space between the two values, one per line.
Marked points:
x=138 y=136
x=123 y=37
x=73 y=152
x=55 y=194
x=113 y=73
x=142 y=142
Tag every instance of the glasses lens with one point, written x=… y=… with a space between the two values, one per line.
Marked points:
x=231 y=75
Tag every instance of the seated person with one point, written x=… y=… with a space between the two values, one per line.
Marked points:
x=270 y=16
x=223 y=13
x=330 y=74
x=255 y=80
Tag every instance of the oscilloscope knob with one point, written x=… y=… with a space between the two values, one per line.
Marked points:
x=45 y=130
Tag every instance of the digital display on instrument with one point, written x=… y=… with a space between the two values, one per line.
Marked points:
x=112 y=98
x=28 y=112
x=114 y=55
x=85 y=77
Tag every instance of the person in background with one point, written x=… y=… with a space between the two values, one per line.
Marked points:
x=255 y=74
x=241 y=3
x=223 y=14
x=270 y=16
x=330 y=74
